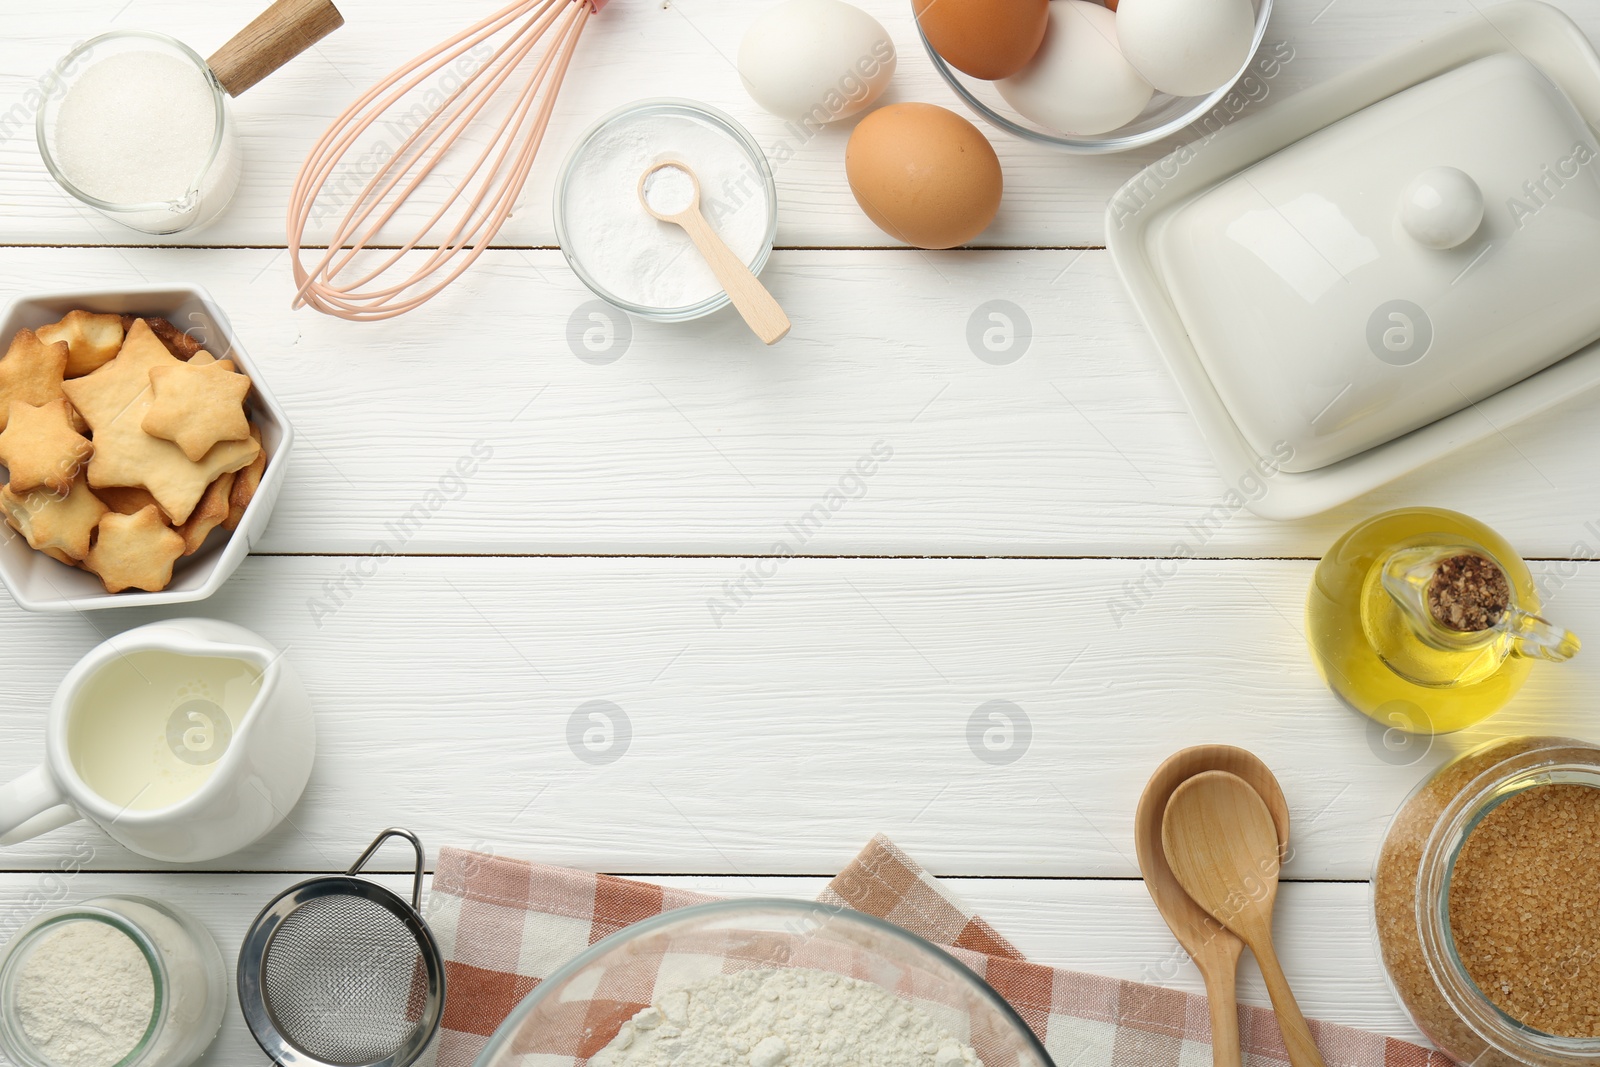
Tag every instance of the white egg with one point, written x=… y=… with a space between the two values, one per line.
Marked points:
x=816 y=61
x=1187 y=47
x=1079 y=83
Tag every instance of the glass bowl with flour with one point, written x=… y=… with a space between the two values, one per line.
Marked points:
x=118 y=980
x=764 y=983
x=642 y=265
x=135 y=125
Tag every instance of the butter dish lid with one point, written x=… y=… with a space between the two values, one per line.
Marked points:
x=1336 y=279
x=1317 y=294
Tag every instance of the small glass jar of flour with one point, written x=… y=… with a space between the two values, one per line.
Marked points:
x=116 y=981
x=136 y=126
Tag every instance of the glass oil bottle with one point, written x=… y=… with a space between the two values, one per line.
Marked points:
x=1427 y=620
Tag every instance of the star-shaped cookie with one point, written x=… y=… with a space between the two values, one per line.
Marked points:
x=30 y=372
x=135 y=551
x=114 y=399
x=125 y=500
x=55 y=524
x=245 y=484
x=203 y=358
x=176 y=341
x=196 y=407
x=41 y=450
x=92 y=340
x=109 y=390
x=211 y=512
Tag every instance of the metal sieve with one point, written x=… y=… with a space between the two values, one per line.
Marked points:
x=340 y=972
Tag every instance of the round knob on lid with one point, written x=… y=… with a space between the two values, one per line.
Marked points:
x=1442 y=207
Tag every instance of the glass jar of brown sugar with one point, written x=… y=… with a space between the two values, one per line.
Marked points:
x=1486 y=898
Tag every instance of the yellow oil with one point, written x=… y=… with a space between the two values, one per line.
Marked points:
x=1359 y=637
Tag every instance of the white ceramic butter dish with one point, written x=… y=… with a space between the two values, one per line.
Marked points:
x=1381 y=269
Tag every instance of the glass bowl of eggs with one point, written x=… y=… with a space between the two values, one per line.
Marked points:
x=1093 y=77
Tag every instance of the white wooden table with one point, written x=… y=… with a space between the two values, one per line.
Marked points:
x=989 y=558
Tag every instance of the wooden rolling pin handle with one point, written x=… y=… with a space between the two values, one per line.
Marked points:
x=280 y=33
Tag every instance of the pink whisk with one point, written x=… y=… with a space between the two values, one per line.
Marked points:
x=335 y=285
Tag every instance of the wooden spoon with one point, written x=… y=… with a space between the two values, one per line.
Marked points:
x=761 y=313
x=1214 y=948
x=1222 y=845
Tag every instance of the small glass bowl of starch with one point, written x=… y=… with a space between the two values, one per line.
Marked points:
x=635 y=261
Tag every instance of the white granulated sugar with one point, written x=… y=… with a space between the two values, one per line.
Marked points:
x=85 y=995
x=788 y=1018
x=636 y=257
x=136 y=128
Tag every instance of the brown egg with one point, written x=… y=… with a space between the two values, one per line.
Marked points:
x=924 y=175
x=989 y=39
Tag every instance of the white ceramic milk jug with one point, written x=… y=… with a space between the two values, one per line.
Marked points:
x=183 y=740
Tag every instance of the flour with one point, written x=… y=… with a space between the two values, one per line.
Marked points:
x=83 y=990
x=640 y=259
x=85 y=995
x=193 y=1007
x=788 y=1018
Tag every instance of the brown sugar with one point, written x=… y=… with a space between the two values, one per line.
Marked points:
x=1525 y=908
x=1396 y=905
x=1468 y=593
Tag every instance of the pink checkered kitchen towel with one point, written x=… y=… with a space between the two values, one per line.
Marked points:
x=506 y=924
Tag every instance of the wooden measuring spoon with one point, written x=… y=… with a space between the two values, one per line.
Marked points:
x=1222 y=845
x=761 y=312
x=1214 y=948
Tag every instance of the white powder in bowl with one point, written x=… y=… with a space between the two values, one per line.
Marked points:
x=136 y=128
x=194 y=1005
x=85 y=994
x=669 y=190
x=632 y=255
x=788 y=1018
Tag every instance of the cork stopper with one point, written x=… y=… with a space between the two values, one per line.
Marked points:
x=1468 y=593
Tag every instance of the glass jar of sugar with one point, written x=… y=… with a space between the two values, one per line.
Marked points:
x=117 y=981
x=1486 y=906
x=136 y=126
x=634 y=261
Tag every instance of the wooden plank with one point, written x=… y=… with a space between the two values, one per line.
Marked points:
x=1101 y=927
x=1052 y=198
x=696 y=439
x=775 y=729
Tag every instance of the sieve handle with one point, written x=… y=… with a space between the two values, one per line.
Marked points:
x=422 y=861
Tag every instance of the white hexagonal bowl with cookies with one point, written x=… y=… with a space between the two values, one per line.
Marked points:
x=39 y=582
